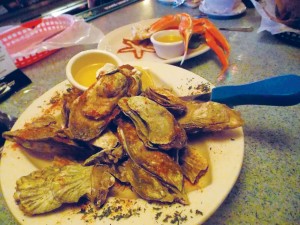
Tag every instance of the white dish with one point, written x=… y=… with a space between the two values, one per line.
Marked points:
x=113 y=42
x=225 y=151
x=241 y=8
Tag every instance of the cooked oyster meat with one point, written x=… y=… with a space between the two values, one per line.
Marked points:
x=155 y=125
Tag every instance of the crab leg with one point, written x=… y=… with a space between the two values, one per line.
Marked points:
x=211 y=42
x=214 y=39
x=200 y=24
x=186 y=30
x=164 y=23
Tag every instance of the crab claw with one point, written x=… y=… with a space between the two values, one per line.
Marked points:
x=216 y=41
x=186 y=29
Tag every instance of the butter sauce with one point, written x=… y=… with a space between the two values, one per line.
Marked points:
x=86 y=76
x=170 y=38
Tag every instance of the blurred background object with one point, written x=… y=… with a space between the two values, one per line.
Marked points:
x=19 y=11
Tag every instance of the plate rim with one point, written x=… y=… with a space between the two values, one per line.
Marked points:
x=62 y=86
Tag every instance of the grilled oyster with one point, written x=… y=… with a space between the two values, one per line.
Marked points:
x=193 y=164
x=209 y=116
x=167 y=99
x=148 y=186
x=158 y=163
x=96 y=107
x=155 y=125
x=47 y=189
x=45 y=135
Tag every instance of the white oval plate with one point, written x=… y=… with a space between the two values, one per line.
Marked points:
x=225 y=151
x=113 y=42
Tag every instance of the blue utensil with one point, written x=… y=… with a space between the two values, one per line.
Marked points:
x=281 y=90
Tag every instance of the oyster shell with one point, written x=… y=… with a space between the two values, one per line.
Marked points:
x=96 y=107
x=102 y=181
x=106 y=156
x=155 y=125
x=45 y=135
x=67 y=99
x=134 y=79
x=148 y=186
x=157 y=163
x=167 y=99
x=209 y=116
x=108 y=149
x=47 y=189
x=193 y=164
x=106 y=140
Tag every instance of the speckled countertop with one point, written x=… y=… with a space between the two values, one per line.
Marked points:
x=267 y=190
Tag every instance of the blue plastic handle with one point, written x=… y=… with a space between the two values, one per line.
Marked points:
x=281 y=90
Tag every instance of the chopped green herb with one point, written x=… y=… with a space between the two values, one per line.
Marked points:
x=198 y=212
x=158 y=215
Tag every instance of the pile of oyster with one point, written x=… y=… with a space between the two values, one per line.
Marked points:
x=116 y=133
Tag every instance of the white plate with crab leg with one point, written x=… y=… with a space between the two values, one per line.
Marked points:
x=113 y=42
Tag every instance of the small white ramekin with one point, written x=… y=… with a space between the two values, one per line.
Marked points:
x=167 y=50
x=88 y=57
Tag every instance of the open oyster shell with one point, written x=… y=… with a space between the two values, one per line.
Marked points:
x=155 y=125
